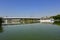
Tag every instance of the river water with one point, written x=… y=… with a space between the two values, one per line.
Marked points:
x=37 y=31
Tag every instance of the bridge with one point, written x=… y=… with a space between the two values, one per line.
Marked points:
x=18 y=20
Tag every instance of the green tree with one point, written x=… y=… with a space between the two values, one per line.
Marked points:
x=57 y=17
x=0 y=21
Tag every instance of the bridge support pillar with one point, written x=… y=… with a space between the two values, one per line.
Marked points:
x=6 y=21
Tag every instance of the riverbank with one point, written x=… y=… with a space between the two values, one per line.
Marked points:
x=1 y=29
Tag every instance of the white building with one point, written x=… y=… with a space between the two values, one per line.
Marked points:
x=50 y=20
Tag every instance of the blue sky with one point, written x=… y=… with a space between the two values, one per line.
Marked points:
x=27 y=8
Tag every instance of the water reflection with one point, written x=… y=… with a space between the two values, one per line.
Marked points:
x=1 y=29
x=57 y=23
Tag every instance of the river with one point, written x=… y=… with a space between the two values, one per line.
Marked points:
x=36 y=31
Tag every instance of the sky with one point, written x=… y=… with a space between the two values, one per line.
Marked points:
x=29 y=8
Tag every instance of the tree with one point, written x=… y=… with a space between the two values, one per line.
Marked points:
x=0 y=21
x=57 y=17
